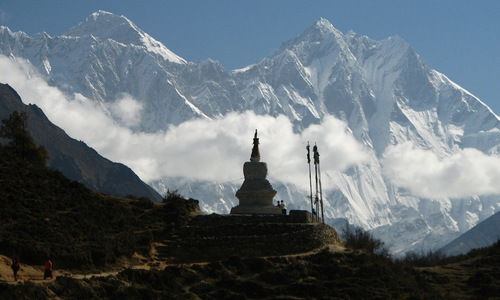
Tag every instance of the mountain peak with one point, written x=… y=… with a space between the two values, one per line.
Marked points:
x=100 y=12
x=324 y=24
x=105 y=25
x=318 y=32
x=317 y=41
x=324 y=27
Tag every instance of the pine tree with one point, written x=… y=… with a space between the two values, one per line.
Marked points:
x=21 y=145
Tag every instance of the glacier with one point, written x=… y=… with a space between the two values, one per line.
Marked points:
x=383 y=91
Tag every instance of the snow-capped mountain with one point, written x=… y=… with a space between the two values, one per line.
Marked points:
x=107 y=56
x=385 y=93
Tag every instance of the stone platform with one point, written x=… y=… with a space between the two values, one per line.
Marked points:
x=216 y=237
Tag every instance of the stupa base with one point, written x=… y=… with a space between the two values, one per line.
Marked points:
x=256 y=210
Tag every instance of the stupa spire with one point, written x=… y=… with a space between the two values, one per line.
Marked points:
x=255 y=156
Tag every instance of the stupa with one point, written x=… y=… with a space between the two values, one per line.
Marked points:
x=256 y=193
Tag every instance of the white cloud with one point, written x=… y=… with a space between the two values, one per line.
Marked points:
x=216 y=149
x=127 y=110
x=466 y=173
x=198 y=149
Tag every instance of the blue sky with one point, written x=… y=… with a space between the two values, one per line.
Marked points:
x=459 y=38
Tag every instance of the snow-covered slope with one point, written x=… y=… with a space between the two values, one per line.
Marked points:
x=385 y=93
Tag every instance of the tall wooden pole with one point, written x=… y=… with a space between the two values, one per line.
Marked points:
x=316 y=162
x=310 y=180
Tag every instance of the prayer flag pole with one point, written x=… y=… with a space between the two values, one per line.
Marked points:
x=316 y=162
x=310 y=180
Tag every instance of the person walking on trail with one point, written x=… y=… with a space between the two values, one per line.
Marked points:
x=48 y=269
x=16 y=265
x=283 y=207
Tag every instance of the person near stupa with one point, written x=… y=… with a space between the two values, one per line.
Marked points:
x=283 y=207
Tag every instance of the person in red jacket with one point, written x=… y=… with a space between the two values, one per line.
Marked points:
x=48 y=269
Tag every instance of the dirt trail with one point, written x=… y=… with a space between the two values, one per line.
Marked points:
x=27 y=272
x=35 y=273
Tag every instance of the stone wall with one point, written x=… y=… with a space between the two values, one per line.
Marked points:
x=215 y=237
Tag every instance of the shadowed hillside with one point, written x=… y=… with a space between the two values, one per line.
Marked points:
x=74 y=158
x=45 y=214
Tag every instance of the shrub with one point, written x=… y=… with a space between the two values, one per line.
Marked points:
x=358 y=238
x=172 y=195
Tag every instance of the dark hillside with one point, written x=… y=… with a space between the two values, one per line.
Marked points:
x=475 y=275
x=74 y=158
x=45 y=214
